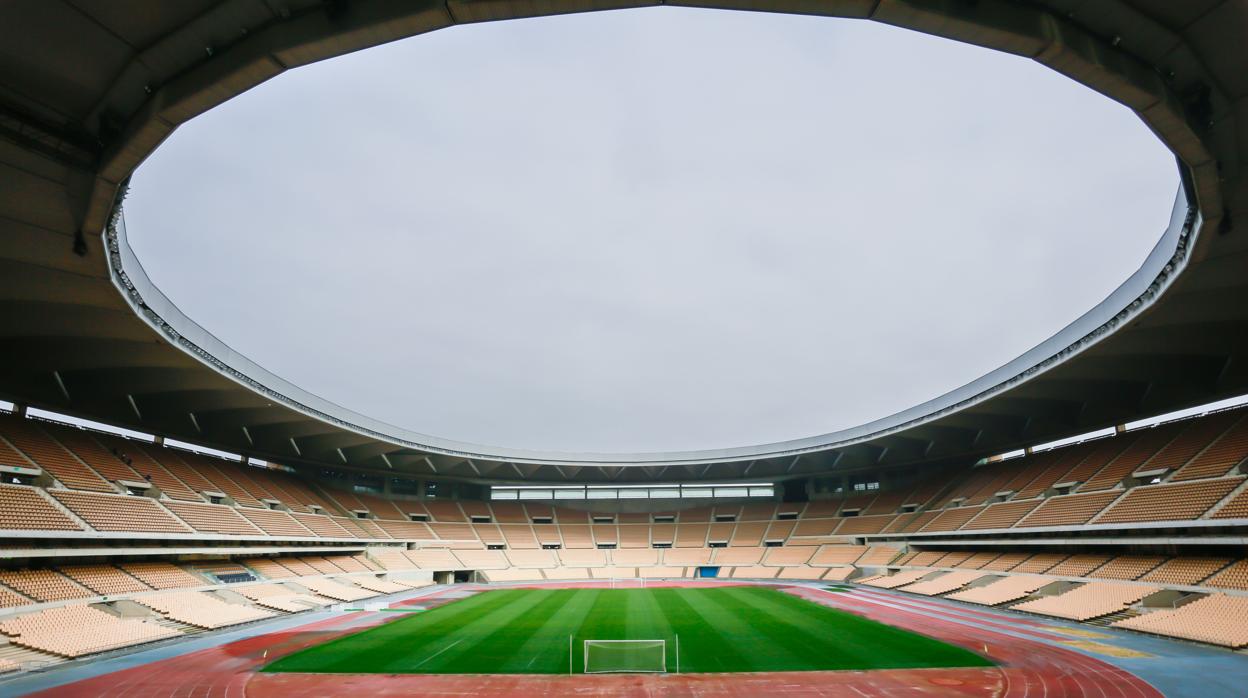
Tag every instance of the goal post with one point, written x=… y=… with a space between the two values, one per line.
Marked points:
x=625 y=656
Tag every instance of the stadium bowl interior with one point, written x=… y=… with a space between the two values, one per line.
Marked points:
x=192 y=565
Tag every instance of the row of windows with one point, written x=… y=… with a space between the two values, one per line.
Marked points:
x=657 y=492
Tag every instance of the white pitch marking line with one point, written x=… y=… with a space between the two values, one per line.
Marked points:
x=440 y=651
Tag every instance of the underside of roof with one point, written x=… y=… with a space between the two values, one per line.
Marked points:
x=91 y=87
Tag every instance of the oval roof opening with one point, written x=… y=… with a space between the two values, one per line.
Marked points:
x=649 y=230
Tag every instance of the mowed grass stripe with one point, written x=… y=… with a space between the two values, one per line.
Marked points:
x=647 y=621
x=482 y=640
x=725 y=629
x=705 y=647
x=552 y=640
x=777 y=647
x=537 y=642
x=342 y=655
x=809 y=639
x=877 y=643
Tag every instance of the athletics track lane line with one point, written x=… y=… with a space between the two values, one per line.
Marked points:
x=1052 y=664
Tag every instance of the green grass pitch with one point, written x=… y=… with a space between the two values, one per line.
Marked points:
x=726 y=629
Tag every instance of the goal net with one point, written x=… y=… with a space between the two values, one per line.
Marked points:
x=625 y=656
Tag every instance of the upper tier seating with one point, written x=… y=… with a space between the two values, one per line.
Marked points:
x=427 y=559
x=268 y=568
x=11 y=599
x=859 y=525
x=979 y=560
x=952 y=519
x=1221 y=455
x=1168 y=502
x=1196 y=436
x=44 y=585
x=176 y=467
x=788 y=556
x=1233 y=577
x=1041 y=562
x=1127 y=567
x=1101 y=453
x=829 y=555
x=350 y=563
x=1068 y=510
x=147 y=468
x=320 y=564
x=1185 y=570
x=323 y=526
x=1006 y=562
x=276 y=523
x=220 y=477
x=45 y=452
x=161 y=575
x=214 y=518
x=877 y=555
x=105 y=580
x=1198 y=454
x=1077 y=565
x=1047 y=469
x=297 y=566
x=23 y=508
x=1144 y=445
x=1001 y=515
x=83 y=445
x=119 y=512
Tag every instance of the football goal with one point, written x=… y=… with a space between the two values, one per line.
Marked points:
x=625 y=656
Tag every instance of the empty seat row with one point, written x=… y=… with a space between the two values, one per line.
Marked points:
x=77 y=630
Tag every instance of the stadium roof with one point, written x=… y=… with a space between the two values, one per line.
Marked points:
x=91 y=88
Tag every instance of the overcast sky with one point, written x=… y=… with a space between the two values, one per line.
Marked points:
x=653 y=229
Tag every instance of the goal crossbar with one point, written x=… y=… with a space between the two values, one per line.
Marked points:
x=625 y=656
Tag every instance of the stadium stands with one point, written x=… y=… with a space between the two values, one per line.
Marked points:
x=43 y=585
x=160 y=575
x=945 y=583
x=23 y=508
x=77 y=630
x=1092 y=600
x=1168 y=475
x=103 y=579
x=201 y=609
x=1216 y=619
x=1003 y=590
x=116 y=512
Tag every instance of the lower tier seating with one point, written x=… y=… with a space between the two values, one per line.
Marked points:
x=201 y=609
x=336 y=590
x=1217 y=619
x=1004 y=590
x=74 y=631
x=1092 y=600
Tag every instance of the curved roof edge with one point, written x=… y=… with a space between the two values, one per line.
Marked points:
x=1141 y=290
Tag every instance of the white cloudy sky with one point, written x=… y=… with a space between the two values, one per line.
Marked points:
x=652 y=229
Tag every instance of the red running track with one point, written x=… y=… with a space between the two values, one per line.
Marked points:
x=1028 y=667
